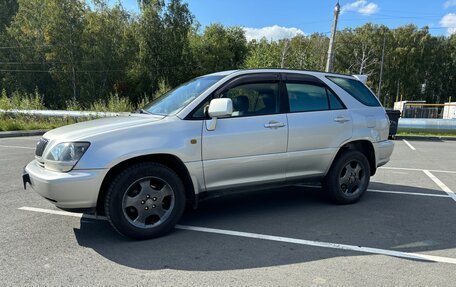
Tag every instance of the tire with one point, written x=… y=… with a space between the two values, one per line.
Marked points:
x=348 y=178
x=145 y=201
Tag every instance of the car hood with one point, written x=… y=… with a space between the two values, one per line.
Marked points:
x=85 y=130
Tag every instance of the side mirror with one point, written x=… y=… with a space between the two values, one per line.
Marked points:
x=219 y=108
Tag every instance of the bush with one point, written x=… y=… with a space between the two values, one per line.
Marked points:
x=5 y=103
x=119 y=104
x=144 y=101
x=163 y=88
x=73 y=105
x=21 y=101
x=115 y=103
x=26 y=122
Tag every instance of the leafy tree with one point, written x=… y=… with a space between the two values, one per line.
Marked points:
x=108 y=49
x=178 y=22
x=27 y=57
x=218 y=49
x=65 y=23
x=8 y=8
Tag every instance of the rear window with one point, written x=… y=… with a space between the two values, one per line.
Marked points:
x=356 y=89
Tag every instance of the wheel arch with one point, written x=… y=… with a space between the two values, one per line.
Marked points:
x=168 y=160
x=364 y=146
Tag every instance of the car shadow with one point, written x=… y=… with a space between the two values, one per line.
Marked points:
x=396 y=222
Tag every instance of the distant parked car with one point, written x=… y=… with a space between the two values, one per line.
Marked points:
x=223 y=132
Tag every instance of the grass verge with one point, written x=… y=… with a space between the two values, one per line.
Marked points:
x=25 y=122
x=426 y=134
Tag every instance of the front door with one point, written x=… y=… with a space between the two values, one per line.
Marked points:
x=250 y=146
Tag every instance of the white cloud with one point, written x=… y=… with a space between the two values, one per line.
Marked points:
x=361 y=6
x=273 y=33
x=449 y=3
x=449 y=21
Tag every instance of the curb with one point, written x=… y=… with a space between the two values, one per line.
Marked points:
x=432 y=138
x=11 y=134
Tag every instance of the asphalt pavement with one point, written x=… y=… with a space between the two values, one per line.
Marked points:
x=402 y=233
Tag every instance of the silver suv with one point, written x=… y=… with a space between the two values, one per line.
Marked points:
x=223 y=132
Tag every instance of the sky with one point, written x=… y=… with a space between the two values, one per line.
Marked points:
x=275 y=19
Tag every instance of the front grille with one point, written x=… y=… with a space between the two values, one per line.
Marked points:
x=40 y=146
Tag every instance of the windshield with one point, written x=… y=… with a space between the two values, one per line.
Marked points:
x=175 y=100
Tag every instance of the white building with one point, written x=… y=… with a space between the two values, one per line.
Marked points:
x=449 y=111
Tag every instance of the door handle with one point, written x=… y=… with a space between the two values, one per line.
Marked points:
x=341 y=119
x=274 y=125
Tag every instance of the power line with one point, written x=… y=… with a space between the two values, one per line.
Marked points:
x=52 y=63
x=83 y=71
x=51 y=71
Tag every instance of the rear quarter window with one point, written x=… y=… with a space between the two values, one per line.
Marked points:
x=357 y=90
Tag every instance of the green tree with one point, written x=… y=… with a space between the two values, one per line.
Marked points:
x=262 y=54
x=8 y=9
x=27 y=60
x=218 y=49
x=300 y=52
x=177 y=21
x=64 y=38
x=108 y=48
x=148 y=65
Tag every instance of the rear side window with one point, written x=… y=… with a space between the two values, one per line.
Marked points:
x=357 y=90
x=334 y=102
x=307 y=98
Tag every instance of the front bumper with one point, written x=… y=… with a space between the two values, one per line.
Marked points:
x=74 y=189
x=383 y=151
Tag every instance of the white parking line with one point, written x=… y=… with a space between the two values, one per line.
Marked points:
x=441 y=184
x=13 y=146
x=61 y=212
x=407 y=193
x=387 y=191
x=406 y=255
x=410 y=146
x=417 y=169
x=386 y=252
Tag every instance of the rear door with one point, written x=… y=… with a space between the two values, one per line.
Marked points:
x=318 y=124
x=249 y=147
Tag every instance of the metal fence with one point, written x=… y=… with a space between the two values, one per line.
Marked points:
x=428 y=111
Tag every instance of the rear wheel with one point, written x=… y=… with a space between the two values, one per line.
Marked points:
x=145 y=201
x=348 y=178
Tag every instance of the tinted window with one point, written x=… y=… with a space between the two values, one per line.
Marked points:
x=254 y=99
x=334 y=101
x=356 y=89
x=306 y=97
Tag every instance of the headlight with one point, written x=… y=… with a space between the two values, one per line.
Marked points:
x=64 y=156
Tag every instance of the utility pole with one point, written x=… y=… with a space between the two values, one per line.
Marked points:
x=381 y=68
x=332 y=40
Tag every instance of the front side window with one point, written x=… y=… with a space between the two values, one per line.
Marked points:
x=254 y=99
x=175 y=100
x=307 y=97
x=357 y=90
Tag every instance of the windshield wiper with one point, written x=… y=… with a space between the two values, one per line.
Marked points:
x=140 y=111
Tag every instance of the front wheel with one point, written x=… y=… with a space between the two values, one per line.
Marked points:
x=348 y=178
x=145 y=201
